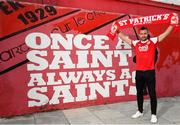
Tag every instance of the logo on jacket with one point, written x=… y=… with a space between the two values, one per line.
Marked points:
x=143 y=48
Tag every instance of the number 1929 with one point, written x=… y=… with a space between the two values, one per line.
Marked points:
x=38 y=14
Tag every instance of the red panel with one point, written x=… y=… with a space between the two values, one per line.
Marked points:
x=49 y=2
x=25 y=18
x=138 y=7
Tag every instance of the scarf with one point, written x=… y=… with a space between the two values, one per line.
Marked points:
x=170 y=18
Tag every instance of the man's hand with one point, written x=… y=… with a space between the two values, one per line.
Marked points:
x=112 y=33
x=174 y=19
x=173 y=22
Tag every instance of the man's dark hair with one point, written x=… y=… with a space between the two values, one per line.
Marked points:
x=144 y=28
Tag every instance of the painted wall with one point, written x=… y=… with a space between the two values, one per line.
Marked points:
x=58 y=57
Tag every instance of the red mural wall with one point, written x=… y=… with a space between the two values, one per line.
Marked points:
x=60 y=57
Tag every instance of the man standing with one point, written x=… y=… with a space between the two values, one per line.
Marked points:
x=145 y=70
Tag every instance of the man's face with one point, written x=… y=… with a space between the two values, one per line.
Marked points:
x=143 y=35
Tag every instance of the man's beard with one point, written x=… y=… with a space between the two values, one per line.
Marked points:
x=144 y=39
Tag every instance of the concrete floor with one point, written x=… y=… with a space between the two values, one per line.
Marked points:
x=117 y=113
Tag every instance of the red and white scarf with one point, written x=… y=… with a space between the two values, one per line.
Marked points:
x=140 y=21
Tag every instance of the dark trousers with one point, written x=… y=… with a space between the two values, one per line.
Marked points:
x=146 y=78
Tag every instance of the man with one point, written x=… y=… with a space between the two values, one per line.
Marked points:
x=145 y=69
